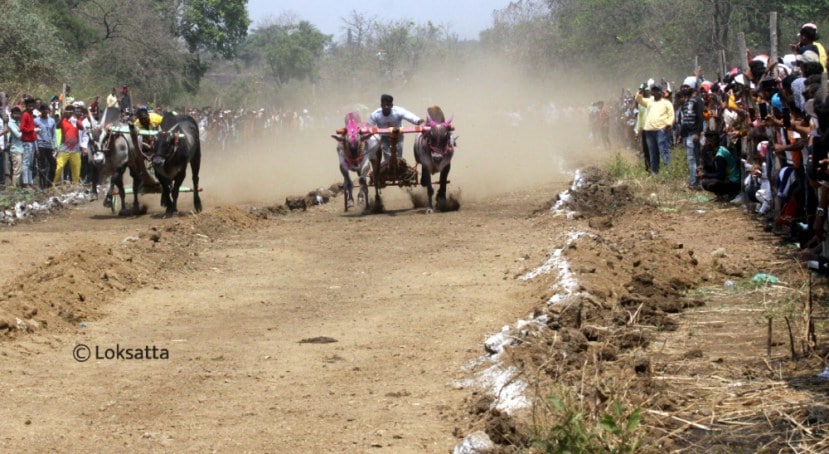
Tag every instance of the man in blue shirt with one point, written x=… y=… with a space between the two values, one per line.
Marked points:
x=46 y=140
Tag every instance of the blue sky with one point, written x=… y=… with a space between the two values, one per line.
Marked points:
x=466 y=18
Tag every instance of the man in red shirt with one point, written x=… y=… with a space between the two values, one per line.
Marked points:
x=70 y=150
x=29 y=138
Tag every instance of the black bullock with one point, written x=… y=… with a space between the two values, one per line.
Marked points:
x=177 y=145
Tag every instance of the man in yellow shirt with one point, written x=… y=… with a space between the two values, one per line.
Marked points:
x=146 y=121
x=659 y=120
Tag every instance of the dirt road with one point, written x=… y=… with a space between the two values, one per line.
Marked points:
x=408 y=299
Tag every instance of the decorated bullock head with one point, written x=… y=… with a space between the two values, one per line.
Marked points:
x=350 y=137
x=439 y=130
x=168 y=140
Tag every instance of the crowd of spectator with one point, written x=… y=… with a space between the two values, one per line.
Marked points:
x=756 y=137
x=46 y=141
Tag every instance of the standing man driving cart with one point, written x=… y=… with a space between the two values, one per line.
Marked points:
x=391 y=116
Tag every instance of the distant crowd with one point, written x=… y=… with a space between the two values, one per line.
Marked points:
x=45 y=141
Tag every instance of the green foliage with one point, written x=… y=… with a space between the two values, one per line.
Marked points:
x=131 y=45
x=217 y=26
x=677 y=170
x=72 y=30
x=638 y=39
x=569 y=432
x=619 y=429
x=31 y=52
x=572 y=430
x=293 y=52
x=623 y=168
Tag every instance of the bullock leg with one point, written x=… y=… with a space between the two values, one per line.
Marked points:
x=108 y=197
x=378 y=202
x=348 y=188
x=444 y=177
x=118 y=181
x=166 y=199
x=365 y=168
x=363 y=194
x=426 y=182
x=442 y=203
x=176 y=186
x=195 y=166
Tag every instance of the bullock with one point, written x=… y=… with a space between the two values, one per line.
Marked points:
x=354 y=148
x=433 y=150
x=177 y=146
x=111 y=154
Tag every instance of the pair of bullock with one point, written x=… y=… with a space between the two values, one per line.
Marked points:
x=433 y=150
x=175 y=145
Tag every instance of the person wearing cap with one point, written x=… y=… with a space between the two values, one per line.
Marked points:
x=809 y=42
x=721 y=176
x=690 y=127
x=391 y=116
x=643 y=98
x=659 y=119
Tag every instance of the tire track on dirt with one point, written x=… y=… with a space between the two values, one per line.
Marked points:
x=409 y=298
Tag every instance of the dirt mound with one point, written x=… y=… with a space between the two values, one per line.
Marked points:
x=75 y=286
x=615 y=291
x=593 y=192
x=72 y=287
x=218 y=221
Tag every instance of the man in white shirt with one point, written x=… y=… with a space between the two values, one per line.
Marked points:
x=391 y=116
x=112 y=99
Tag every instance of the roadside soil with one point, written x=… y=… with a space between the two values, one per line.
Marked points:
x=319 y=331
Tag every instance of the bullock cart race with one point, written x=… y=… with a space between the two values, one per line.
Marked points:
x=361 y=150
x=520 y=262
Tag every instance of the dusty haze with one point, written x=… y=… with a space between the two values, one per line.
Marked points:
x=496 y=152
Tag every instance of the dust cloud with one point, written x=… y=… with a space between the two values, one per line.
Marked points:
x=509 y=137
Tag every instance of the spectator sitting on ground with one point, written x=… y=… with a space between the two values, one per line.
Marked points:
x=722 y=177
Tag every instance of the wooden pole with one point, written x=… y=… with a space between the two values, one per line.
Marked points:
x=773 y=36
x=723 y=65
x=741 y=43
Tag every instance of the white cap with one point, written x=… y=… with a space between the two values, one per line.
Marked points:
x=690 y=81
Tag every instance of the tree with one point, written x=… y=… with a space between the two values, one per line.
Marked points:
x=294 y=52
x=34 y=57
x=209 y=27
x=130 y=45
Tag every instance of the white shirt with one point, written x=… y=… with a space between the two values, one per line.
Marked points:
x=394 y=119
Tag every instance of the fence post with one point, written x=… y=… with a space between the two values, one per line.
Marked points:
x=741 y=43
x=773 y=36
